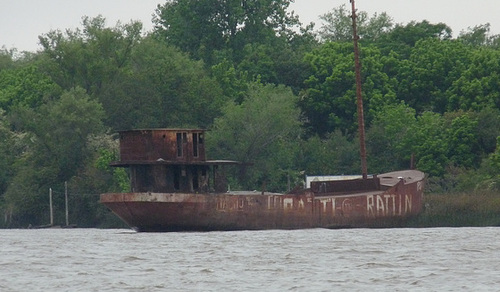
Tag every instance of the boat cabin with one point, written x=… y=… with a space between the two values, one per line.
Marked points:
x=170 y=160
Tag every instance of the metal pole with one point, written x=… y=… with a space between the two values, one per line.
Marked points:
x=66 y=200
x=361 y=120
x=51 y=209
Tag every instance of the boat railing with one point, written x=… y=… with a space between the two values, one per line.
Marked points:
x=345 y=186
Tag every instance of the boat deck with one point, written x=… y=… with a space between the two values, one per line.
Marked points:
x=386 y=180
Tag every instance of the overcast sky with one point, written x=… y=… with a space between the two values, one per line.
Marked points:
x=22 y=21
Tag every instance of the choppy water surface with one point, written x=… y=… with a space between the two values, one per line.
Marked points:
x=440 y=259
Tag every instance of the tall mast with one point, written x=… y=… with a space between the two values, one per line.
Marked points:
x=361 y=120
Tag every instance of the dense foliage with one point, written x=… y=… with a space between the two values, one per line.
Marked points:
x=274 y=93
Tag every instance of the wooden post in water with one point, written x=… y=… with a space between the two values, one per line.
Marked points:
x=361 y=120
x=66 y=201
x=51 y=209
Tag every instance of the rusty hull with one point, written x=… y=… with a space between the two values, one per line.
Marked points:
x=399 y=197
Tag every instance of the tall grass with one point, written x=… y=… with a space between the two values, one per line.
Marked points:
x=481 y=208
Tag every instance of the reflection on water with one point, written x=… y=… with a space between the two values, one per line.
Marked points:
x=439 y=259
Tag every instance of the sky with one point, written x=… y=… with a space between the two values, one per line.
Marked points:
x=22 y=21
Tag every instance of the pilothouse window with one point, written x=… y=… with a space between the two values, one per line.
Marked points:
x=195 y=144
x=179 y=144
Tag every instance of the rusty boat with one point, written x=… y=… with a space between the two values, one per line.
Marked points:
x=175 y=188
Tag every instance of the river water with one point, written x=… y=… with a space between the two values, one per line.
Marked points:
x=434 y=259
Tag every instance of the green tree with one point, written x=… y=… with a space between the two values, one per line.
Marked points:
x=329 y=101
x=278 y=61
x=495 y=160
x=6 y=58
x=463 y=143
x=258 y=62
x=260 y=39
x=7 y=152
x=495 y=157
x=431 y=69
x=334 y=154
x=487 y=129
x=203 y=27
x=24 y=202
x=14 y=150
x=197 y=27
x=234 y=83
x=486 y=177
x=478 y=86
x=478 y=36
x=165 y=89
x=25 y=87
x=259 y=130
x=430 y=144
x=61 y=129
x=89 y=57
x=57 y=148
x=338 y=25
x=404 y=37
x=389 y=142
x=94 y=177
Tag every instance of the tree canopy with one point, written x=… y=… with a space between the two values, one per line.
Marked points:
x=204 y=27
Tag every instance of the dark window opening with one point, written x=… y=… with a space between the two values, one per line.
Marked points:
x=196 y=184
x=177 y=179
x=195 y=144
x=179 y=144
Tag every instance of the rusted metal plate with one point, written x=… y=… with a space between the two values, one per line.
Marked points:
x=180 y=145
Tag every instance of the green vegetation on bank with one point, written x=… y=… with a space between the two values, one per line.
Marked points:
x=271 y=90
x=473 y=209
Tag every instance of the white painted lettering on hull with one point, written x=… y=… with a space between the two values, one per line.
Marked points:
x=385 y=205
x=408 y=203
x=327 y=204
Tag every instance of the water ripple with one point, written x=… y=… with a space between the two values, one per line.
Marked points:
x=439 y=259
